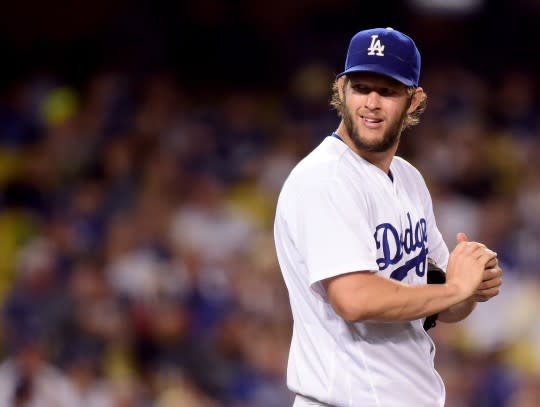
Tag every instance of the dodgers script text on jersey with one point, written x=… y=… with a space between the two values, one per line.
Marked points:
x=394 y=245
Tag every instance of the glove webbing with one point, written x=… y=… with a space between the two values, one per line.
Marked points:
x=435 y=275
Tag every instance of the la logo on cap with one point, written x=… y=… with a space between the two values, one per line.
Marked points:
x=376 y=48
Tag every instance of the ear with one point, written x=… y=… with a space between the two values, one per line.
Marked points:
x=417 y=98
x=340 y=83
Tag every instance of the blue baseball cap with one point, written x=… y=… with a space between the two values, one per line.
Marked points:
x=384 y=51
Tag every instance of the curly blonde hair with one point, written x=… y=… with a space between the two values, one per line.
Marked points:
x=412 y=119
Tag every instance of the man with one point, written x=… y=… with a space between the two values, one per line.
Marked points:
x=27 y=379
x=353 y=230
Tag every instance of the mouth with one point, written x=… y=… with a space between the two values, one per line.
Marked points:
x=371 y=122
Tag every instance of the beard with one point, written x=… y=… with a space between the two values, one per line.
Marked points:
x=390 y=137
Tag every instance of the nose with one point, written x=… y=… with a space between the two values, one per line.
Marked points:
x=372 y=100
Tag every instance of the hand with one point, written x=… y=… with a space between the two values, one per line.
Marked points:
x=491 y=282
x=466 y=266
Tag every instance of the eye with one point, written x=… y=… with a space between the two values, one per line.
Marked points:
x=387 y=92
x=363 y=89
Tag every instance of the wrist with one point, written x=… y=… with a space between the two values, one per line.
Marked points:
x=455 y=293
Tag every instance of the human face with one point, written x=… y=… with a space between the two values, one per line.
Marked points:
x=373 y=111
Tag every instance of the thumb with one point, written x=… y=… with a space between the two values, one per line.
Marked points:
x=461 y=237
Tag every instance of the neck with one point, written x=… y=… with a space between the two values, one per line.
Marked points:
x=381 y=160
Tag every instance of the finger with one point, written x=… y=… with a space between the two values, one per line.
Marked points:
x=489 y=284
x=491 y=273
x=484 y=295
x=485 y=255
x=492 y=263
x=461 y=237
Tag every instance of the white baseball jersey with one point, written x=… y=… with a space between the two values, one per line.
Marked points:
x=337 y=214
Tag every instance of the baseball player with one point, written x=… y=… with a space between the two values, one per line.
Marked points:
x=354 y=228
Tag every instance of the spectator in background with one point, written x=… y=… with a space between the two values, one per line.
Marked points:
x=28 y=380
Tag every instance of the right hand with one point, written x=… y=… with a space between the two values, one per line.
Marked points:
x=466 y=265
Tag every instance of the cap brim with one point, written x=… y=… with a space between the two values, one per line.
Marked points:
x=378 y=70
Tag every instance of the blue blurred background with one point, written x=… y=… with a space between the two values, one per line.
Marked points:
x=142 y=149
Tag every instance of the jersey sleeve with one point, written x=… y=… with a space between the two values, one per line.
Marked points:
x=333 y=233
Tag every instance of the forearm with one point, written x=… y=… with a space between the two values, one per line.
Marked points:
x=457 y=312
x=369 y=297
x=411 y=302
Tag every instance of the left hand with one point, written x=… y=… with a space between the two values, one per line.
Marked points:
x=491 y=282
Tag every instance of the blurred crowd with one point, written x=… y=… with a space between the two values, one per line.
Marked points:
x=137 y=259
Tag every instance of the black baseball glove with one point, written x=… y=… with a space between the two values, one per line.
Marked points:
x=435 y=275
